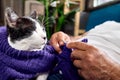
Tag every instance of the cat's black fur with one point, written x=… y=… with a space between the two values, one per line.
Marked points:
x=24 y=28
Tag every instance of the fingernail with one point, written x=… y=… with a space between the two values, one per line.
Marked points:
x=61 y=43
x=60 y=52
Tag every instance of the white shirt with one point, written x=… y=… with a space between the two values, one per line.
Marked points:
x=106 y=37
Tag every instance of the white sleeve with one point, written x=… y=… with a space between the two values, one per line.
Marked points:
x=106 y=38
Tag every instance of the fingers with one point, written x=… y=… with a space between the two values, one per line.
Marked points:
x=77 y=63
x=78 y=54
x=79 y=72
x=57 y=47
x=78 y=45
x=85 y=75
x=82 y=73
x=55 y=43
x=80 y=67
x=58 y=39
x=63 y=38
x=61 y=42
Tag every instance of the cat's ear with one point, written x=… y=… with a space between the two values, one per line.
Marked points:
x=33 y=15
x=11 y=17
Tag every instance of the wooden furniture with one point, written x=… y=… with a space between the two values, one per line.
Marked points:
x=17 y=5
x=67 y=6
x=1 y=14
x=77 y=18
x=31 y=5
x=70 y=8
x=88 y=19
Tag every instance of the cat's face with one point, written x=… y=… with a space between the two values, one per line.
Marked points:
x=25 y=28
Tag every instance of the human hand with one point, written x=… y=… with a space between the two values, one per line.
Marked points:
x=58 y=39
x=92 y=64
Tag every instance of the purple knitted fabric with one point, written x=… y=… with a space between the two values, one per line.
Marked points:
x=18 y=64
x=65 y=65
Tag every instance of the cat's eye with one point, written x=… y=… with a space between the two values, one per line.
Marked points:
x=43 y=29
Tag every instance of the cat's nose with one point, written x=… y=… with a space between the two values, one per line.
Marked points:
x=44 y=38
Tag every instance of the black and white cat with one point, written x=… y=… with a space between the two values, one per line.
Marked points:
x=25 y=33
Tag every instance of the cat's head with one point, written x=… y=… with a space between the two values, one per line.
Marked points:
x=25 y=27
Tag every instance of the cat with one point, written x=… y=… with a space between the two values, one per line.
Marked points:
x=25 y=33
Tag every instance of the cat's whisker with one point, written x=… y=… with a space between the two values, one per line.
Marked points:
x=47 y=23
x=43 y=20
x=46 y=20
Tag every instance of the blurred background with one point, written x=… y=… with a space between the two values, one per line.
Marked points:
x=69 y=16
